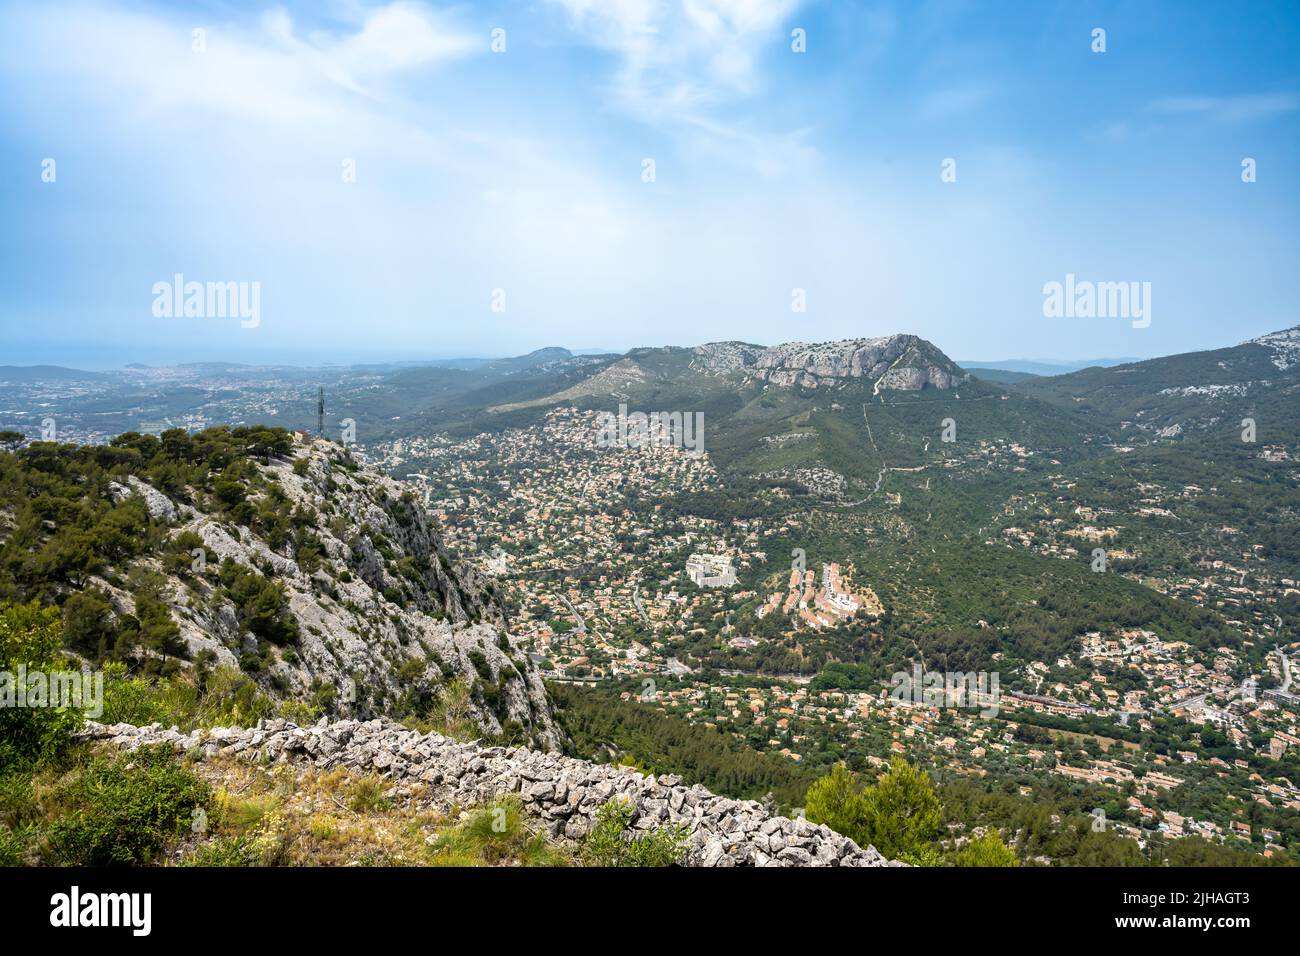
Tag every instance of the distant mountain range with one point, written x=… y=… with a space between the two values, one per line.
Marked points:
x=1190 y=393
x=750 y=393
x=1017 y=367
x=23 y=374
x=1045 y=366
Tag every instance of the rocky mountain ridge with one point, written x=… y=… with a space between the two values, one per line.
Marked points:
x=1190 y=394
x=904 y=362
x=1284 y=346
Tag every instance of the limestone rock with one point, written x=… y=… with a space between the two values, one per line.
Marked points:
x=563 y=793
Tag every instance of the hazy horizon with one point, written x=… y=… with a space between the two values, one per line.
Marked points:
x=104 y=360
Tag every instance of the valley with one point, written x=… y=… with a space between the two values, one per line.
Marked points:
x=852 y=511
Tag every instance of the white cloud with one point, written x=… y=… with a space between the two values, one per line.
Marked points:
x=232 y=162
x=264 y=70
x=681 y=63
x=681 y=56
x=395 y=38
x=1230 y=108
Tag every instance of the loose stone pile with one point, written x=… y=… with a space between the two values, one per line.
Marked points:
x=564 y=793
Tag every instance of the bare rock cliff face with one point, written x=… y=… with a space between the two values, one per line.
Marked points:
x=722 y=357
x=901 y=362
x=383 y=615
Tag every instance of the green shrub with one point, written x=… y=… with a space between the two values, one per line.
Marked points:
x=12 y=846
x=17 y=798
x=228 y=851
x=412 y=670
x=299 y=712
x=366 y=795
x=610 y=844
x=222 y=697
x=988 y=850
x=231 y=699
x=31 y=637
x=260 y=602
x=481 y=665
x=131 y=700
x=121 y=810
x=494 y=835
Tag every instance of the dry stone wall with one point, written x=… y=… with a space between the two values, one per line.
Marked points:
x=561 y=792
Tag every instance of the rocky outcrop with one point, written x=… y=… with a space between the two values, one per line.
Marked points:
x=1283 y=345
x=563 y=793
x=382 y=612
x=902 y=362
x=714 y=358
x=159 y=506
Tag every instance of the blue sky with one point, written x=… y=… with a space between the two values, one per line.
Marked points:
x=523 y=171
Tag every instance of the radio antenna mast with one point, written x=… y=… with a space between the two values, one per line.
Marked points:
x=320 y=413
